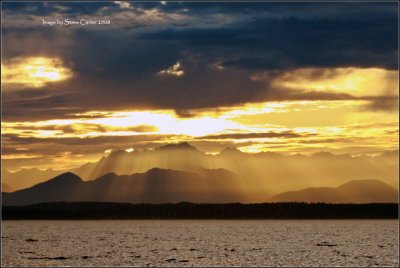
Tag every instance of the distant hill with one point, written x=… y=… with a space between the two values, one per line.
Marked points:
x=6 y=188
x=357 y=191
x=154 y=186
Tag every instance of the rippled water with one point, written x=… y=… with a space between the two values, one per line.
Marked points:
x=201 y=243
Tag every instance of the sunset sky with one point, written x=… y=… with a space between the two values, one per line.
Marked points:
x=280 y=77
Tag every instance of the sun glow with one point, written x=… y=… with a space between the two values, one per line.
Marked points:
x=129 y=123
x=33 y=72
x=168 y=123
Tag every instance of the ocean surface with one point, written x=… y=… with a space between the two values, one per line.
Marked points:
x=200 y=243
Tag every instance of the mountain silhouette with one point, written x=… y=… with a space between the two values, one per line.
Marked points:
x=178 y=146
x=230 y=151
x=357 y=191
x=59 y=188
x=264 y=174
x=154 y=186
x=180 y=156
x=27 y=177
x=323 y=154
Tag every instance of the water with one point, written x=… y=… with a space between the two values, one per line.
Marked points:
x=201 y=243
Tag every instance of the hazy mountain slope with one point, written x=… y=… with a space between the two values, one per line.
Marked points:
x=27 y=177
x=60 y=188
x=5 y=188
x=262 y=173
x=359 y=191
x=181 y=156
x=153 y=186
x=269 y=172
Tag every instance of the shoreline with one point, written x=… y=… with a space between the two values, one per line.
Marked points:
x=191 y=211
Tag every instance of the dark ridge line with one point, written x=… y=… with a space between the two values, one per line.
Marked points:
x=184 y=210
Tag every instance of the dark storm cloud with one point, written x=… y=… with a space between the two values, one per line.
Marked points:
x=46 y=8
x=38 y=105
x=198 y=8
x=264 y=44
x=116 y=67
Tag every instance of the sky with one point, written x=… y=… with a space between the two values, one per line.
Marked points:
x=278 y=77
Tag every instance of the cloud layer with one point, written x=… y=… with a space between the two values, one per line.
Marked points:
x=138 y=60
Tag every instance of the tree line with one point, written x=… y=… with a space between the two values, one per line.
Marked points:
x=98 y=210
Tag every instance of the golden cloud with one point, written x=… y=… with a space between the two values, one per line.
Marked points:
x=174 y=70
x=33 y=72
x=355 y=81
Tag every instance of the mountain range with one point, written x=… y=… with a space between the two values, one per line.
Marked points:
x=268 y=173
x=172 y=186
x=153 y=186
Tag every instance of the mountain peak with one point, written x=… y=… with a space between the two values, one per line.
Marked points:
x=178 y=146
x=323 y=154
x=156 y=170
x=298 y=155
x=107 y=176
x=67 y=176
x=230 y=150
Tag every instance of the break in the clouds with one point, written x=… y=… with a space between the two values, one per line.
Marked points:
x=174 y=70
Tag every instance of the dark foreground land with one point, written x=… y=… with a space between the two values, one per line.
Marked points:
x=97 y=210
